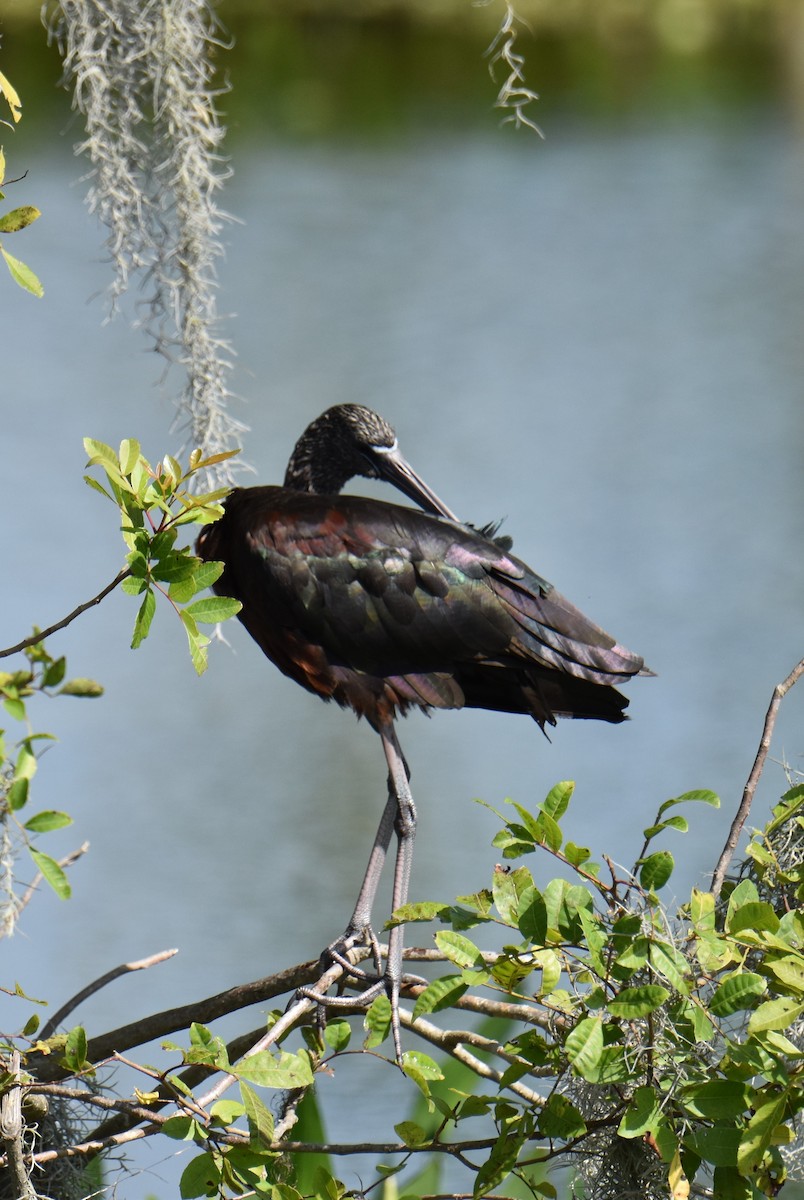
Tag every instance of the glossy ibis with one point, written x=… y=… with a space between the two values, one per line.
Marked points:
x=385 y=608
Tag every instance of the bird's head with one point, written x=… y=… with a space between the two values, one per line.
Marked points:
x=349 y=440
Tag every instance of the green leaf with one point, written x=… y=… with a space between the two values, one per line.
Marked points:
x=634 y=956
x=759 y=1133
x=548 y=962
x=213 y=609
x=549 y=832
x=789 y=971
x=671 y=964
x=440 y=994
x=729 y=1184
x=22 y=274
x=775 y=1014
x=97 y=487
x=559 y=1118
x=175 y=567
x=259 y=1116
x=198 y=642
x=421 y=1070
x=182 y=1129
x=677 y=822
x=702 y=910
x=508 y=887
x=75 y=1049
x=642 y=1115
x=284 y=1071
x=52 y=873
x=200 y=1177
x=377 y=1021
x=44 y=822
x=87 y=688
x=14 y=707
x=412 y=1134
x=701 y=795
x=577 y=856
x=635 y=1002
x=206 y=573
x=745 y=893
x=18 y=218
x=226 y=1112
x=100 y=452
x=54 y=673
x=754 y=915
x=25 y=766
x=426 y=910
x=563 y=901
x=129 y=455
x=499 y=1164
x=133 y=585
x=31 y=1025
x=533 y=916
x=584 y=1046
x=736 y=993
x=17 y=795
x=717 y=1145
x=458 y=949
x=338 y=1035
x=656 y=870
x=144 y=618
x=717 y=1100
x=423 y=1064
x=557 y=799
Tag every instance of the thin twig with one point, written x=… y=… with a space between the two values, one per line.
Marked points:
x=65 y=862
x=727 y=853
x=454 y=1042
x=141 y=965
x=342 y=1148
x=35 y=638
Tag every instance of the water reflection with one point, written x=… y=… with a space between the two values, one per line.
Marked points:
x=598 y=339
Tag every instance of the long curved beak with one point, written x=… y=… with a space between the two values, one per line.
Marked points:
x=392 y=467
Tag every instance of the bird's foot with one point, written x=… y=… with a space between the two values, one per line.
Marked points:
x=375 y=984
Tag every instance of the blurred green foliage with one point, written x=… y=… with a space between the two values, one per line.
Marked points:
x=317 y=70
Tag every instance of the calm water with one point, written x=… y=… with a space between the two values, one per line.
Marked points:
x=598 y=338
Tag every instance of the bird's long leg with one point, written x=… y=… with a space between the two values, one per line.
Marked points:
x=405 y=827
x=398 y=815
x=361 y=917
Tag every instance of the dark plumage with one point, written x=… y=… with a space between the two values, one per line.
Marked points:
x=383 y=608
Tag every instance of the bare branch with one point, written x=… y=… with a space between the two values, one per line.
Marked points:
x=11 y=1131
x=779 y=692
x=142 y=964
x=35 y=638
x=454 y=1042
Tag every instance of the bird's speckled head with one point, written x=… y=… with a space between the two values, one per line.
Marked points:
x=338 y=445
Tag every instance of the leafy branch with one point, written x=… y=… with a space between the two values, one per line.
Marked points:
x=17 y=218
x=154 y=502
x=665 y=1044
x=44 y=675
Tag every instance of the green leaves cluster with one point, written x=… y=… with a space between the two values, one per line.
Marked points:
x=242 y=1160
x=676 y=1028
x=154 y=502
x=17 y=218
x=43 y=675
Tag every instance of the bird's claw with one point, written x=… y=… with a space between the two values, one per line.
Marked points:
x=338 y=953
